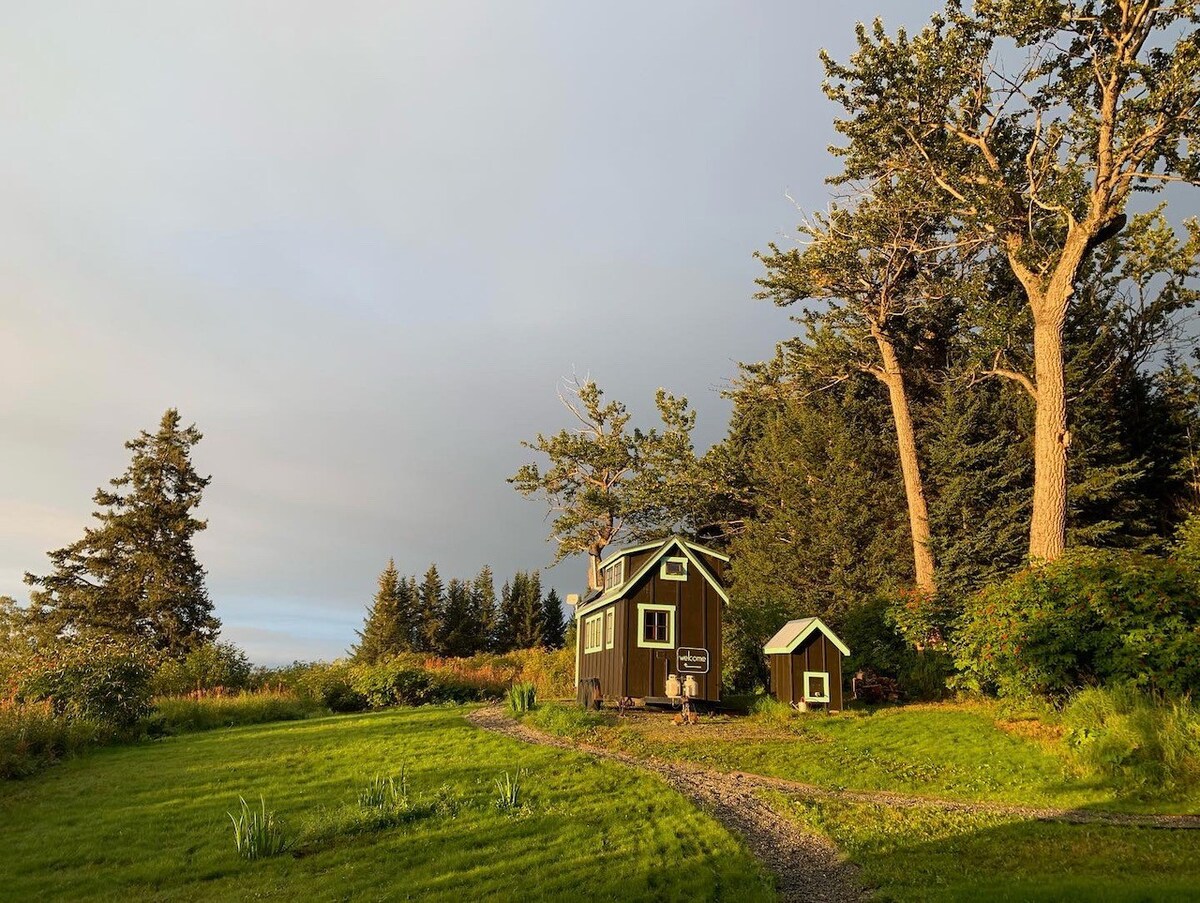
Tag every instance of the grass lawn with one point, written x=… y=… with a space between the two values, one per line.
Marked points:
x=925 y=854
x=950 y=750
x=149 y=821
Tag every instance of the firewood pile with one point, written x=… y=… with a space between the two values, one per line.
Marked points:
x=870 y=687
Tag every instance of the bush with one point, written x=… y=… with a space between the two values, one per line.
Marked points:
x=1145 y=744
x=1090 y=618
x=208 y=667
x=90 y=678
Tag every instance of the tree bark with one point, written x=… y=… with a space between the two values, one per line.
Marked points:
x=1048 y=523
x=906 y=440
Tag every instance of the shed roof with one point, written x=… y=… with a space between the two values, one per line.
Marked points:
x=793 y=633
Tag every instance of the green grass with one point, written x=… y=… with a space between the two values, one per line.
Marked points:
x=184 y=714
x=150 y=821
x=924 y=854
x=950 y=750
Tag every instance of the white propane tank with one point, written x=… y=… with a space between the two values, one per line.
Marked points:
x=673 y=686
x=691 y=687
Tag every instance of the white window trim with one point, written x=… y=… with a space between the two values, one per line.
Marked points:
x=598 y=620
x=614 y=574
x=610 y=627
x=662 y=569
x=824 y=675
x=644 y=607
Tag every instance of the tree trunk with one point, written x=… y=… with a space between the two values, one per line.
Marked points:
x=910 y=467
x=1048 y=524
x=594 y=559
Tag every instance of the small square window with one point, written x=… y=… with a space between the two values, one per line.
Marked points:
x=674 y=569
x=816 y=686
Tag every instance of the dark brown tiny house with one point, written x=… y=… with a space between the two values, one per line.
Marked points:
x=657 y=615
x=806 y=664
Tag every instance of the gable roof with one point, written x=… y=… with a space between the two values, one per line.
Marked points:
x=690 y=550
x=793 y=633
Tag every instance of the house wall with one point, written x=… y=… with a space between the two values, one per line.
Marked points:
x=697 y=624
x=607 y=664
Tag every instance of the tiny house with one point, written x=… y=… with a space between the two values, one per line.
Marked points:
x=805 y=658
x=652 y=630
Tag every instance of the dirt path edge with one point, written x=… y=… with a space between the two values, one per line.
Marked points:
x=807 y=868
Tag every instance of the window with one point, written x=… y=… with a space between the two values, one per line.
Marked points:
x=816 y=686
x=592 y=626
x=657 y=626
x=674 y=569
x=614 y=574
x=610 y=628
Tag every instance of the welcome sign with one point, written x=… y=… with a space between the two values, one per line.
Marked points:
x=691 y=661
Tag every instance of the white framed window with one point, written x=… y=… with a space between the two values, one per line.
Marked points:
x=614 y=574
x=610 y=628
x=816 y=686
x=673 y=569
x=656 y=626
x=592 y=627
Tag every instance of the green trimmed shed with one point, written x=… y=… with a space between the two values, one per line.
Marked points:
x=805 y=657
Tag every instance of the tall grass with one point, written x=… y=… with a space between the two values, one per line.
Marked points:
x=522 y=698
x=258 y=834
x=207 y=710
x=33 y=735
x=385 y=793
x=508 y=791
x=1147 y=745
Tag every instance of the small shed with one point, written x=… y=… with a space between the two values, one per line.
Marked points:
x=806 y=664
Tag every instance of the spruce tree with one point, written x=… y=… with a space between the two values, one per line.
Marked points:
x=506 y=620
x=483 y=603
x=431 y=599
x=386 y=630
x=530 y=613
x=457 y=626
x=135 y=576
x=553 y=625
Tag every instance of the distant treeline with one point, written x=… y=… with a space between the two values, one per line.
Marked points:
x=459 y=618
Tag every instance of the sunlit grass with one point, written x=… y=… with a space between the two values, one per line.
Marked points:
x=150 y=821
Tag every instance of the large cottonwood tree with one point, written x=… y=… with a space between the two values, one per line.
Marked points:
x=1033 y=121
x=875 y=266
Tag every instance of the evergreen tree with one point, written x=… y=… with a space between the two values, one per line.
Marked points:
x=553 y=625
x=458 y=626
x=136 y=576
x=387 y=629
x=530 y=613
x=483 y=604
x=506 y=620
x=431 y=599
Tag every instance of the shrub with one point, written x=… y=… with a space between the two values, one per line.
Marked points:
x=208 y=667
x=522 y=698
x=92 y=678
x=1092 y=617
x=1145 y=744
x=258 y=834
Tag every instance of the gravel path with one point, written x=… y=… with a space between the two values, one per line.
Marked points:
x=807 y=867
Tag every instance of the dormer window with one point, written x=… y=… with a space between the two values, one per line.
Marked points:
x=674 y=569
x=614 y=574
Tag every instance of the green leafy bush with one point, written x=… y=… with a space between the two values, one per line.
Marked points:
x=207 y=667
x=1090 y=618
x=1147 y=745
x=93 y=678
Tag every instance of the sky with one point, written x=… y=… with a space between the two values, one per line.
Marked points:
x=360 y=245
